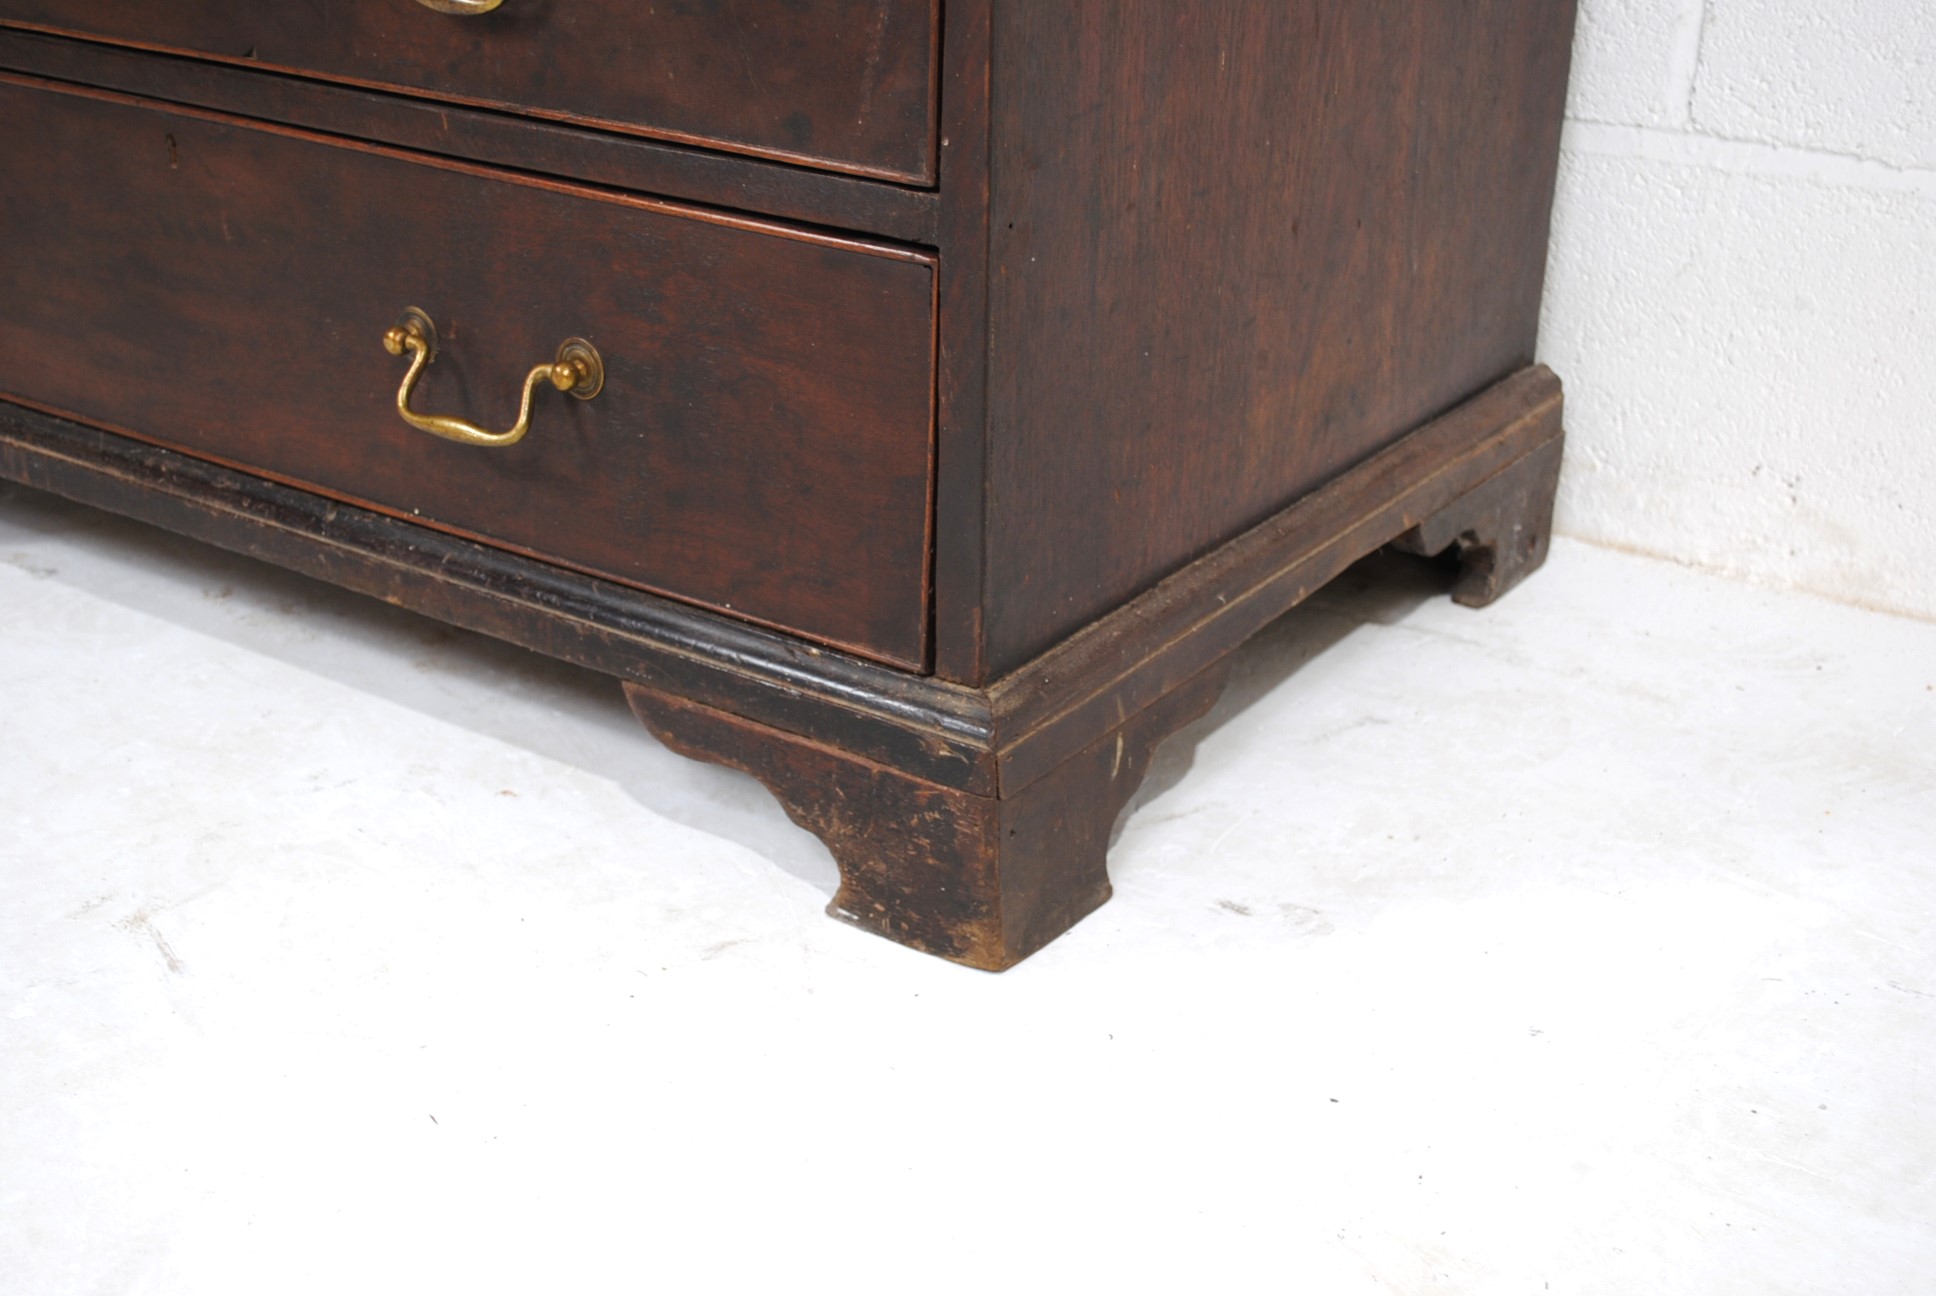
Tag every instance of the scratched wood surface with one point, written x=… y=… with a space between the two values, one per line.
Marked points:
x=845 y=84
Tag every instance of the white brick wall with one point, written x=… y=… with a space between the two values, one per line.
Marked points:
x=1742 y=292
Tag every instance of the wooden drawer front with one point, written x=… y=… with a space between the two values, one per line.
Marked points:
x=762 y=444
x=843 y=84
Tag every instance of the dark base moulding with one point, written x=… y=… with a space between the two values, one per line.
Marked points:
x=968 y=822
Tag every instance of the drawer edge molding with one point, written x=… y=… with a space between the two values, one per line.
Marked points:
x=725 y=181
x=745 y=223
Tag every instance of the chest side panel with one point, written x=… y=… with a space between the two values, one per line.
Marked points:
x=1236 y=249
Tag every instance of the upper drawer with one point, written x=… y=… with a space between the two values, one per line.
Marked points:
x=762 y=443
x=847 y=85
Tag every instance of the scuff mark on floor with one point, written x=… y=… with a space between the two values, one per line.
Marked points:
x=140 y=923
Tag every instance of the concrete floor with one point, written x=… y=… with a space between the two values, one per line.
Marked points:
x=1578 y=945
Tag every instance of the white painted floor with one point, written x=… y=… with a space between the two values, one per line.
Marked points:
x=1578 y=945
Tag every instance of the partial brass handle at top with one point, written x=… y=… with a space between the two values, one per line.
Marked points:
x=461 y=6
x=577 y=370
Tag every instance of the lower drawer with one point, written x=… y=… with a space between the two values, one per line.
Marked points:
x=762 y=443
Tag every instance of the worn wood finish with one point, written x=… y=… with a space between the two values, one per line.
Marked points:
x=762 y=444
x=1123 y=660
x=574 y=153
x=984 y=881
x=1206 y=303
x=1462 y=473
x=1234 y=250
x=1498 y=531
x=845 y=84
x=916 y=784
x=936 y=731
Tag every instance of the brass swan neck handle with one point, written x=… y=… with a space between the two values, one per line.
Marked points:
x=577 y=370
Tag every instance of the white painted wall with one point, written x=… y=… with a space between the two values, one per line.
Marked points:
x=1742 y=293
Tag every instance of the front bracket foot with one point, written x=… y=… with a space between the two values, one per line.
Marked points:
x=981 y=880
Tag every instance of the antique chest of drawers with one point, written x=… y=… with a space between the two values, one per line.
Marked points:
x=912 y=403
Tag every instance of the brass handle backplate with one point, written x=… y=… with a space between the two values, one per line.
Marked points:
x=577 y=370
x=461 y=6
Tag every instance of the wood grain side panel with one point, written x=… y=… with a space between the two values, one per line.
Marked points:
x=844 y=84
x=1236 y=249
x=763 y=443
x=1441 y=476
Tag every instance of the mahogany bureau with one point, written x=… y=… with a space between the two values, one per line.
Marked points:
x=913 y=402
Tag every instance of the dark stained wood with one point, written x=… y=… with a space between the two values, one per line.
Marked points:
x=961 y=370
x=1235 y=249
x=1221 y=298
x=574 y=153
x=762 y=444
x=971 y=823
x=1498 y=531
x=1122 y=661
x=1466 y=471
x=845 y=84
x=984 y=881
x=935 y=731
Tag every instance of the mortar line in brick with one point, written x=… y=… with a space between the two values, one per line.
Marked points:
x=1684 y=58
x=1745 y=157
